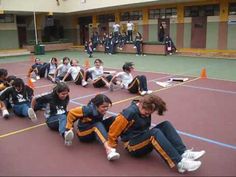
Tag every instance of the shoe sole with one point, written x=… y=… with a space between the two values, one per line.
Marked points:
x=68 y=138
x=32 y=115
x=115 y=157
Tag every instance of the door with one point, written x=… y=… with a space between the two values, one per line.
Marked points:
x=22 y=35
x=84 y=28
x=198 y=32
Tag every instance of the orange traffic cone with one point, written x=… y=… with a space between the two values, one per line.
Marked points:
x=87 y=63
x=203 y=73
x=30 y=83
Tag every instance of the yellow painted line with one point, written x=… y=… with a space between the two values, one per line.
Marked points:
x=22 y=130
x=117 y=102
x=165 y=88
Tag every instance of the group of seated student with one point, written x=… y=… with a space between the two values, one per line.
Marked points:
x=132 y=125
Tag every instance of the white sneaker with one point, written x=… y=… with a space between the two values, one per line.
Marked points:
x=193 y=155
x=37 y=77
x=113 y=155
x=84 y=83
x=32 y=115
x=149 y=92
x=69 y=136
x=188 y=165
x=5 y=114
x=143 y=93
x=32 y=80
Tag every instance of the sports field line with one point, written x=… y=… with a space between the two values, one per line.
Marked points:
x=72 y=100
x=113 y=113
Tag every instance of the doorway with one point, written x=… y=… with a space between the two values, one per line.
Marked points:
x=198 y=32
x=84 y=28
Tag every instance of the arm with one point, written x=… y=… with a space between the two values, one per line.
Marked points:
x=116 y=129
x=73 y=115
x=64 y=78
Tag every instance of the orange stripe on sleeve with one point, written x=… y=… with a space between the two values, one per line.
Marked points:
x=116 y=129
x=73 y=115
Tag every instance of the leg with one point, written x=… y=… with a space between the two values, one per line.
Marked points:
x=134 y=86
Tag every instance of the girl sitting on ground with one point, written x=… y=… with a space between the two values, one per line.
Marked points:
x=20 y=96
x=51 y=68
x=133 y=125
x=56 y=109
x=96 y=73
x=126 y=80
x=92 y=125
x=62 y=70
x=76 y=72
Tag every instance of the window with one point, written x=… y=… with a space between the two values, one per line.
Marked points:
x=106 y=18
x=200 y=11
x=154 y=14
x=232 y=9
x=134 y=15
x=162 y=13
x=6 y=18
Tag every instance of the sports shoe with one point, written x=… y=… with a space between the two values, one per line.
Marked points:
x=188 y=165
x=32 y=115
x=111 y=88
x=84 y=83
x=113 y=155
x=69 y=136
x=193 y=155
x=143 y=93
x=37 y=77
x=149 y=92
x=5 y=114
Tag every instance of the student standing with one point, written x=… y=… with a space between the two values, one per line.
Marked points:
x=91 y=122
x=133 y=125
x=130 y=28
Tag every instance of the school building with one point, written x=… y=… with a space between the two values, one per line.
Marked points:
x=204 y=24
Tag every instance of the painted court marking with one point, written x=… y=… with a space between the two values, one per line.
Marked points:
x=113 y=113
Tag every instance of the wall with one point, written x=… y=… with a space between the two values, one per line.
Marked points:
x=187 y=32
x=212 y=32
x=8 y=36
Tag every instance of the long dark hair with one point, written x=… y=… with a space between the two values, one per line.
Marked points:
x=61 y=87
x=100 y=99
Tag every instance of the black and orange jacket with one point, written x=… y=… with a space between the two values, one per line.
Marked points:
x=87 y=115
x=128 y=124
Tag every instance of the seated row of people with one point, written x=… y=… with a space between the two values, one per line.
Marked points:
x=133 y=124
x=72 y=71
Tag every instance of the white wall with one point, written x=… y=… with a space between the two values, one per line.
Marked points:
x=65 y=5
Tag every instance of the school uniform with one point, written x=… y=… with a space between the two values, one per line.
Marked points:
x=62 y=70
x=76 y=73
x=20 y=101
x=96 y=74
x=91 y=124
x=55 y=111
x=134 y=85
x=139 y=139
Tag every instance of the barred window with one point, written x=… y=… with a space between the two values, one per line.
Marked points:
x=6 y=18
x=162 y=13
x=134 y=15
x=232 y=9
x=200 y=11
x=106 y=18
